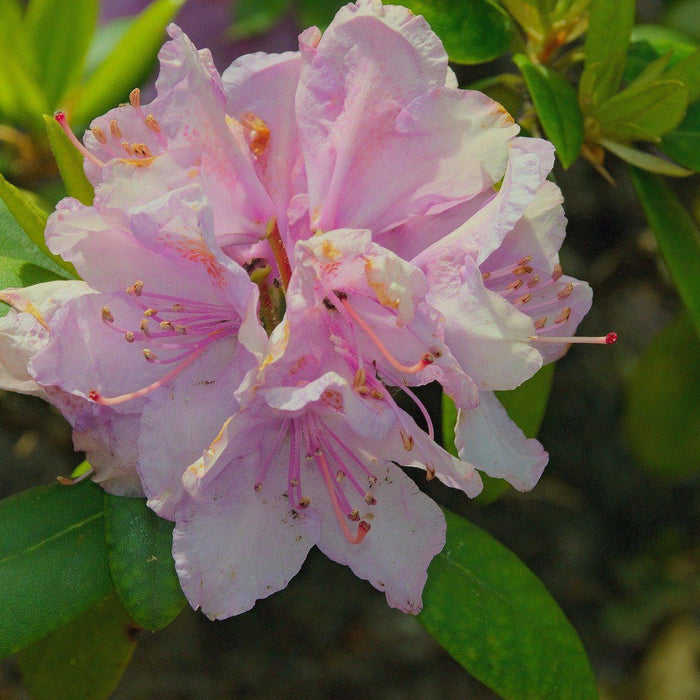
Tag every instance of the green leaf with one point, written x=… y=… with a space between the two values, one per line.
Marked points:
x=139 y=545
x=676 y=234
x=20 y=273
x=15 y=244
x=525 y=406
x=32 y=220
x=70 y=163
x=687 y=70
x=494 y=616
x=53 y=560
x=557 y=108
x=60 y=33
x=662 y=418
x=254 y=18
x=126 y=67
x=683 y=143
x=609 y=28
x=643 y=160
x=473 y=31
x=84 y=659
x=643 y=111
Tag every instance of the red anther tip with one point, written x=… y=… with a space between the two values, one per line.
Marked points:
x=94 y=395
x=610 y=338
x=59 y=116
x=364 y=527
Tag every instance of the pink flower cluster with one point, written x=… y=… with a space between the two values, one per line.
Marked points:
x=279 y=251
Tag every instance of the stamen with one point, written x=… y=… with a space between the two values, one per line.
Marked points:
x=135 y=98
x=95 y=395
x=99 y=135
x=363 y=526
x=273 y=451
x=115 y=130
x=608 y=339
x=426 y=360
x=60 y=117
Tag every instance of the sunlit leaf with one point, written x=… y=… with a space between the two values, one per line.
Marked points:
x=687 y=70
x=473 y=31
x=70 y=162
x=53 y=560
x=126 y=67
x=84 y=659
x=644 y=160
x=139 y=548
x=20 y=273
x=683 y=143
x=60 y=33
x=676 y=234
x=525 y=406
x=494 y=616
x=610 y=24
x=557 y=108
x=32 y=220
x=662 y=418
x=643 y=111
x=318 y=13
x=253 y=17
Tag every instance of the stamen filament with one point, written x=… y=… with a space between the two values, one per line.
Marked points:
x=363 y=527
x=413 y=369
x=608 y=339
x=114 y=400
x=60 y=117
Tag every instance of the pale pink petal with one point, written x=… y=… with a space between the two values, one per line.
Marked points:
x=488 y=336
x=234 y=544
x=24 y=330
x=264 y=86
x=175 y=429
x=489 y=439
x=407 y=531
x=370 y=63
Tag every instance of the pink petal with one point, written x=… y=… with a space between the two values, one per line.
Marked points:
x=235 y=545
x=265 y=85
x=370 y=63
x=407 y=531
x=489 y=439
x=488 y=336
x=24 y=330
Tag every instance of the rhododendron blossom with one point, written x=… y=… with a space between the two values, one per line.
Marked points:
x=280 y=251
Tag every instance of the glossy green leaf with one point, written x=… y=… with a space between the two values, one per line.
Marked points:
x=643 y=111
x=254 y=18
x=644 y=160
x=525 y=405
x=139 y=547
x=557 y=108
x=31 y=219
x=662 y=418
x=15 y=244
x=70 y=162
x=53 y=560
x=473 y=31
x=20 y=273
x=683 y=143
x=126 y=67
x=60 y=34
x=676 y=234
x=684 y=16
x=318 y=13
x=687 y=70
x=496 y=618
x=609 y=28
x=84 y=659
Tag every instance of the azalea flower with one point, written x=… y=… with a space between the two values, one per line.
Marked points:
x=385 y=229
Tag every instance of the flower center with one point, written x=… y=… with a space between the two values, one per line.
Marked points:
x=178 y=330
x=342 y=471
